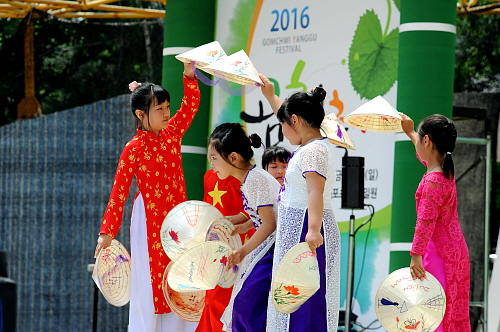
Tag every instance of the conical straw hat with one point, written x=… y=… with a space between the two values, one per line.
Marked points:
x=236 y=68
x=199 y=268
x=220 y=230
x=203 y=55
x=296 y=279
x=188 y=305
x=375 y=115
x=186 y=225
x=112 y=273
x=404 y=304
x=335 y=132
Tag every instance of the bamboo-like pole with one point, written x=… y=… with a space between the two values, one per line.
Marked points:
x=92 y=15
x=181 y=17
x=99 y=2
x=63 y=3
x=480 y=10
x=112 y=8
x=92 y=2
x=425 y=86
x=57 y=12
x=12 y=15
x=14 y=3
x=8 y=8
x=29 y=105
x=126 y=9
x=55 y=7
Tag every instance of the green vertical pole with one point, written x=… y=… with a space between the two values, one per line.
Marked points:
x=189 y=24
x=425 y=86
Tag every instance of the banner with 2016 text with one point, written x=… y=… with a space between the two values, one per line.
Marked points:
x=351 y=48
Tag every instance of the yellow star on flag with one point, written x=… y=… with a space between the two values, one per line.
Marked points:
x=216 y=195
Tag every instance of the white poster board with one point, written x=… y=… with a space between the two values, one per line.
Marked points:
x=350 y=48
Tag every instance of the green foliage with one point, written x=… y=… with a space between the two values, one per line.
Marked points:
x=373 y=58
x=76 y=63
x=80 y=63
x=7 y=28
x=477 y=55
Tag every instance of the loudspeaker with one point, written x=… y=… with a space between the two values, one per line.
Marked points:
x=8 y=304
x=3 y=264
x=353 y=182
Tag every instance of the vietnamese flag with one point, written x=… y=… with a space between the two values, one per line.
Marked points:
x=225 y=195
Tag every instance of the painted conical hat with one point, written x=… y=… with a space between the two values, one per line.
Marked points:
x=220 y=230
x=336 y=133
x=112 y=273
x=375 y=115
x=203 y=55
x=188 y=305
x=199 y=268
x=404 y=304
x=296 y=279
x=186 y=225
x=236 y=68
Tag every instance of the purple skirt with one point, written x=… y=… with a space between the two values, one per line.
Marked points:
x=250 y=305
x=311 y=316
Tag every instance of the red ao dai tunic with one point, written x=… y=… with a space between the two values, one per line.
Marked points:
x=156 y=162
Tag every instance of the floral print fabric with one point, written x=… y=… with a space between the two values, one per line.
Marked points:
x=156 y=162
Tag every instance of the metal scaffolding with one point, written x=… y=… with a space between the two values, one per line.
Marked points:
x=62 y=9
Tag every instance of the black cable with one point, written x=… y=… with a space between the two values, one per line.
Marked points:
x=366 y=242
x=472 y=166
x=368 y=327
x=367 y=220
x=372 y=213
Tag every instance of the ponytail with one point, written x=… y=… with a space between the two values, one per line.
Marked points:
x=443 y=134
x=255 y=141
x=306 y=105
x=448 y=166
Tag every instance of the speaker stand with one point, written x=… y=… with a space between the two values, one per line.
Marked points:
x=349 y=316
x=350 y=274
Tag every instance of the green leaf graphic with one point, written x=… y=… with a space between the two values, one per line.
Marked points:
x=398 y=4
x=373 y=58
x=239 y=26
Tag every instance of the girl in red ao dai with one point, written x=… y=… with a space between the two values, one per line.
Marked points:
x=153 y=156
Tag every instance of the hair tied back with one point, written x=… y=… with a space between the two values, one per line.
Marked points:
x=134 y=85
x=255 y=140
x=319 y=94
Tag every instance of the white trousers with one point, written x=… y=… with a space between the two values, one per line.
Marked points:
x=142 y=317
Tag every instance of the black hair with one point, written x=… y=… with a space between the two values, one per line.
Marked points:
x=273 y=154
x=231 y=137
x=144 y=95
x=443 y=134
x=307 y=105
